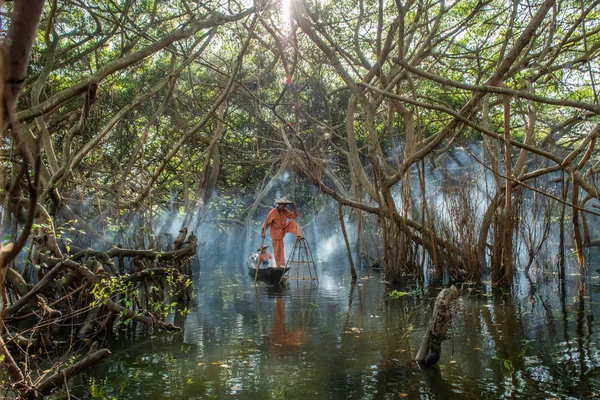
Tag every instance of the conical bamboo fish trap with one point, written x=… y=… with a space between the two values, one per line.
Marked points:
x=301 y=261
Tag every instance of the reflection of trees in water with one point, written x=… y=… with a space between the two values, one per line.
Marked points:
x=513 y=344
x=523 y=344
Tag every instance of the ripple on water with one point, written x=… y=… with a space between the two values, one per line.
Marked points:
x=338 y=339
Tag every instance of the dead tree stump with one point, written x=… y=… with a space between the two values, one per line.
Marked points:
x=431 y=346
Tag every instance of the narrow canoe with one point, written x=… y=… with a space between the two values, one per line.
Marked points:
x=266 y=272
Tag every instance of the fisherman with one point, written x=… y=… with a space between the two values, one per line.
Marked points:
x=264 y=257
x=281 y=221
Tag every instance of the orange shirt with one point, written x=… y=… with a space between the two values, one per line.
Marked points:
x=265 y=256
x=276 y=220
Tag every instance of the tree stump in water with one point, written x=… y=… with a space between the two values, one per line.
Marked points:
x=431 y=346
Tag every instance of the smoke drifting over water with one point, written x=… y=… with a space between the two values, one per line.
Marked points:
x=224 y=242
x=454 y=183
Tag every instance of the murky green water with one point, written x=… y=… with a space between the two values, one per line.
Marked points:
x=336 y=340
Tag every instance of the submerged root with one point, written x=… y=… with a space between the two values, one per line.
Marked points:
x=79 y=296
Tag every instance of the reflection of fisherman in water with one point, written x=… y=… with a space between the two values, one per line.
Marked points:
x=282 y=340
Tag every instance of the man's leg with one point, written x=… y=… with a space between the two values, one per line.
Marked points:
x=292 y=227
x=278 y=251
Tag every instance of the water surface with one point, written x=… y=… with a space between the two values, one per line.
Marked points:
x=339 y=340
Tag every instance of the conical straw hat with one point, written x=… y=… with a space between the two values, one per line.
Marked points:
x=284 y=200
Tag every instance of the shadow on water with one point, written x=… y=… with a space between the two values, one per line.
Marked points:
x=345 y=340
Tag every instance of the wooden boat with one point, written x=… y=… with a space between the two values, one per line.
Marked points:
x=268 y=271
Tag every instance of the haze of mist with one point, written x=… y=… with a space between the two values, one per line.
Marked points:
x=439 y=159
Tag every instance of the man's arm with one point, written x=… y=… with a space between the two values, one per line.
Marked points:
x=266 y=224
x=293 y=214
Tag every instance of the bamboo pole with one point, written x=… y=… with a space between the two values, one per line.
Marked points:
x=262 y=242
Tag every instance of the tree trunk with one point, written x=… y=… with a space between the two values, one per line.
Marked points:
x=431 y=346
x=348 y=249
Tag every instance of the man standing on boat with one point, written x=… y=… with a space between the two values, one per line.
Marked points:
x=281 y=221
